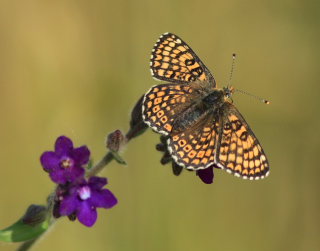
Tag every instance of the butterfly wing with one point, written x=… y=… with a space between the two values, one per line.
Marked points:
x=239 y=151
x=195 y=148
x=174 y=61
x=162 y=104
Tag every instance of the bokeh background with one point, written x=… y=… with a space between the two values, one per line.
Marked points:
x=76 y=68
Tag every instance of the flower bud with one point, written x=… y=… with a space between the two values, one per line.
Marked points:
x=35 y=215
x=115 y=141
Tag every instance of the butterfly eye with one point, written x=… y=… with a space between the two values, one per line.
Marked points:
x=227 y=92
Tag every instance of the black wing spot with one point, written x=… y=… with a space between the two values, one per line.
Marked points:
x=197 y=71
x=189 y=62
x=244 y=135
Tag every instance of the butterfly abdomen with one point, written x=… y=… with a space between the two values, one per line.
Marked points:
x=189 y=117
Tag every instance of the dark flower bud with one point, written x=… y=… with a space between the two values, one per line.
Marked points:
x=161 y=147
x=137 y=126
x=166 y=158
x=115 y=141
x=35 y=215
x=176 y=169
x=206 y=175
x=72 y=217
x=55 y=212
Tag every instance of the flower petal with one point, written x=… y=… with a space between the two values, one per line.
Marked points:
x=96 y=183
x=49 y=161
x=103 y=198
x=87 y=214
x=81 y=155
x=206 y=175
x=63 y=145
x=58 y=176
x=74 y=173
x=69 y=204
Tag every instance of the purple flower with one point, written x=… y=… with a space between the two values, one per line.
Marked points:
x=83 y=198
x=206 y=175
x=66 y=163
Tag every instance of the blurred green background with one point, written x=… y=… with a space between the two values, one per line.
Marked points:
x=77 y=68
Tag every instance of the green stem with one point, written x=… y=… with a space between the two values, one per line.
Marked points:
x=28 y=244
x=100 y=165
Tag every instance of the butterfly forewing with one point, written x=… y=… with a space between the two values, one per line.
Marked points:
x=174 y=61
x=162 y=104
x=239 y=151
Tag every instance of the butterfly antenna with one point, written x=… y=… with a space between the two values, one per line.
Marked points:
x=232 y=68
x=254 y=96
x=231 y=89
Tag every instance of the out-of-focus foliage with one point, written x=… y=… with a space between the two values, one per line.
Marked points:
x=78 y=67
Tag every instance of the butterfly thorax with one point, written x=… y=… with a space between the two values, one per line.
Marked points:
x=214 y=99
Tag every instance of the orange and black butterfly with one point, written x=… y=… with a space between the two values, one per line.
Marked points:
x=203 y=127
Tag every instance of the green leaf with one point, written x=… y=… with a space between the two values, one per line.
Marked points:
x=118 y=158
x=90 y=164
x=30 y=226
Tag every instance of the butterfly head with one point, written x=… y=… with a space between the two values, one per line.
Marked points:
x=228 y=91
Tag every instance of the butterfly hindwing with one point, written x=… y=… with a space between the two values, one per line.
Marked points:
x=174 y=61
x=239 y=151
x=196 y=148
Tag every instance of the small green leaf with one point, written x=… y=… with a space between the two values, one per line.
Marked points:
x=118 y=158
x=90 y=164
x=31 y=225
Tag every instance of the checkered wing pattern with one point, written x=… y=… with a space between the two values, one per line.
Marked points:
x=239 y=151
x=196 y=148
x=163 y=103
x=174 y=61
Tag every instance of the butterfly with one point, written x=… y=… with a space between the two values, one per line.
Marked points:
x=199 y=119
